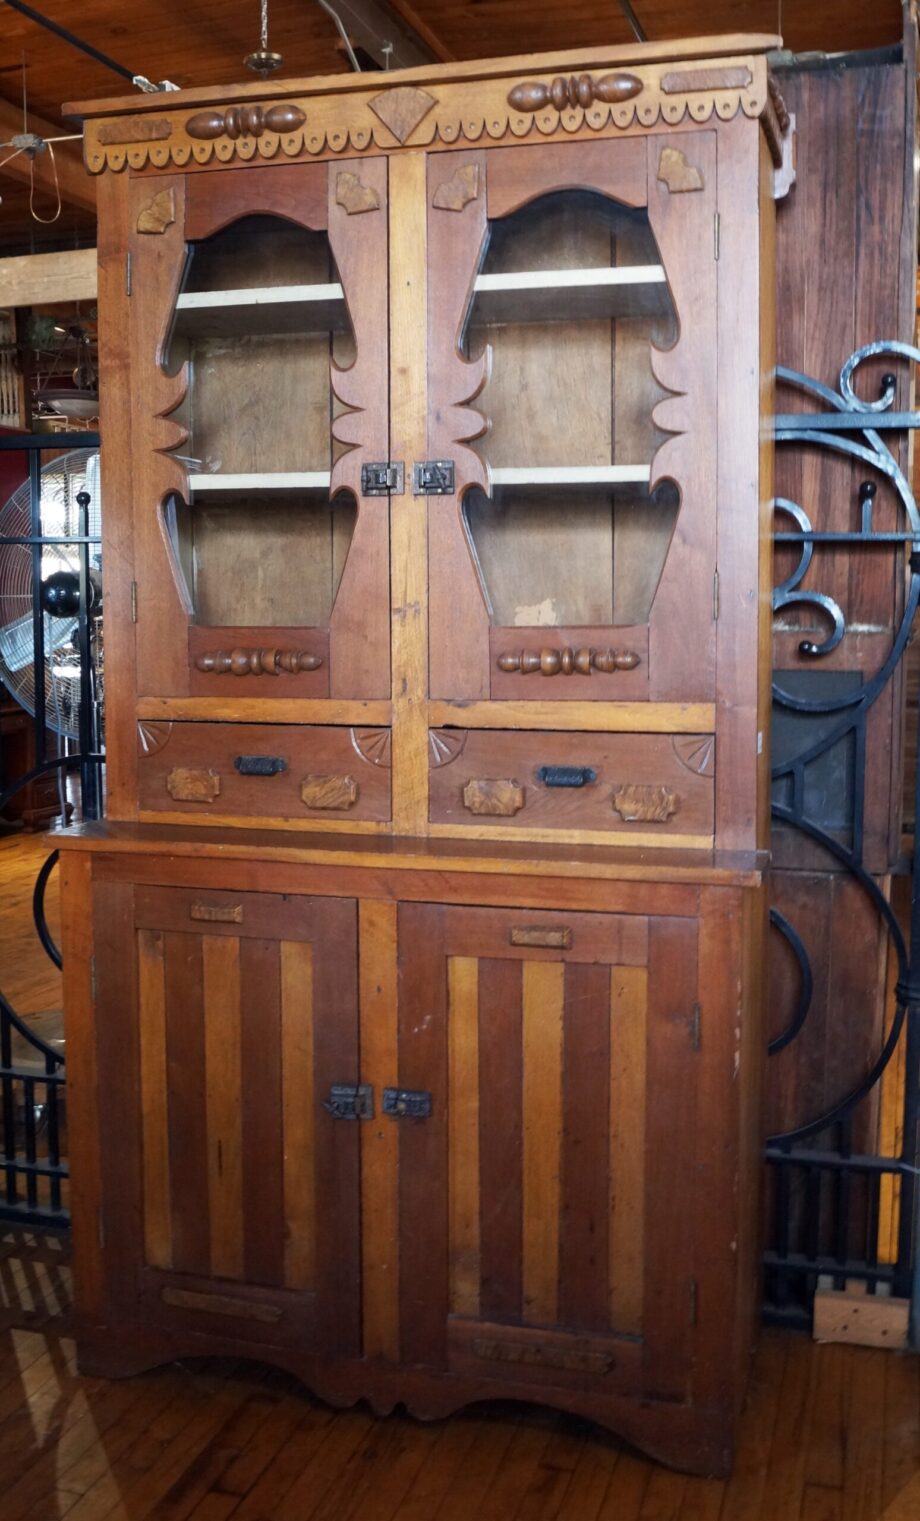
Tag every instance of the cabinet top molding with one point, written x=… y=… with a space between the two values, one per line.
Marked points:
x=531 y=97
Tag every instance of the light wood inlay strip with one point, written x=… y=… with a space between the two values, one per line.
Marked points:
x=223 y=1089
x=155 y=1119
x=542 y=1034
x=628 y=1004
x=626 y=836
x=298 y=1111
x=310 y=825
x=408 y=204
x=270 y=710
x=596 y=717
x=222 y=1304
x=463 y=1144
x=379 y=1139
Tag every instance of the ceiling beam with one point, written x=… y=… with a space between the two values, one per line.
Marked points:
x=36 y=279
x=422 y=30
x=370 y=24
x=77 y=187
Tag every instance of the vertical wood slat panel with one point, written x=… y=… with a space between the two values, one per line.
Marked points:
x=500 y=1137
x=670 y=1148
x=379 y=1140
x=185 y=1077
x=423 y=1164
x=263 y=1171
x=584 y=1256
x=543 y=999
x=297 y=1116
x=221 y=969
x=463 y=1143
x=155 y=1120
x=337 y=1142
x=628 y=1003
x=117 y=1098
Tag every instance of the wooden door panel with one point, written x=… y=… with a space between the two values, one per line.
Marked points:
x=245 y=1183
x=539 y=1061
x=239 y=525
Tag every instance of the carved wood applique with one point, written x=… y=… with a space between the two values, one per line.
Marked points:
x=637 y=802
x=444 y=745
x=216 y=913
x=159 y=213
x=677 y=172
x=188 y=785
x=459 y=190
x=244 y=121
x=354 y=196
x=152 y=735
x=699 y=81
x=575 y=90
x=136 y=130
x=500 y=799
x=568 y=661
x=329 y=792
x=696 y=751
x=257 y=662
x=542 y=936
x=402 y=109
x=373 y=745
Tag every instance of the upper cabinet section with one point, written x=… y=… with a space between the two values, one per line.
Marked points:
x=572 y=363
x=261 y=303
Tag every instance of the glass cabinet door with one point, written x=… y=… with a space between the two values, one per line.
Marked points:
x=572 y=287
x=266 y=306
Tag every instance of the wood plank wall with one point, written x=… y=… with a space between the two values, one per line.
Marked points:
x=846 y=265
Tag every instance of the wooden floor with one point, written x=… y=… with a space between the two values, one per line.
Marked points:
x=829 y=1434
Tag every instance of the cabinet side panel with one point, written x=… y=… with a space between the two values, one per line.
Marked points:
x=115 y=423
x=77 y=945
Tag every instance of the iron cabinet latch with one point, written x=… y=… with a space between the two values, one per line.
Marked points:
x=385 y=478
x=350 y=1101
x=260 y=765
x=433 y=477
x=407 y=1103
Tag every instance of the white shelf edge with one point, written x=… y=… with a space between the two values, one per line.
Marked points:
x=305 y=480
x=269 y=295
x=573 y=475
x=582 y=279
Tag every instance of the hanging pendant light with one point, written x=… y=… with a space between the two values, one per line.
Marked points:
x=263 y=61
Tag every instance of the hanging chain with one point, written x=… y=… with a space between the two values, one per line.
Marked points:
x=264 y=32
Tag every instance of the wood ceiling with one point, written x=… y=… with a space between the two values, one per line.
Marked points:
x=203 y=42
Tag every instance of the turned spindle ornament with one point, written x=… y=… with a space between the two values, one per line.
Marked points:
x=567 y=93
x=244 y=121
x=257 y=662
x=568 y=661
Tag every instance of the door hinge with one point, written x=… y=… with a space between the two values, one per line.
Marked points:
x=694 y=1298
x=695 y=1019
x=715 y=596
x=433 y=477
x=128 y=273
x=350 y=1101
x=100 y=1230
x=92 y=977
x=716 y=236
x=383 y=478
x=133 y=601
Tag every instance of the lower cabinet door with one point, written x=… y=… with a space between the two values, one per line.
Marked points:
x=230 y=1177
x=547 y=1201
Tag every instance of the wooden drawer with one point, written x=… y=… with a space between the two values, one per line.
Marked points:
x=629 y=784
x=262 y=771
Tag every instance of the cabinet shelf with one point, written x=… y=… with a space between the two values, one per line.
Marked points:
x=570 y=295
x=572 y=475
x=281 y=480
x=263 y=309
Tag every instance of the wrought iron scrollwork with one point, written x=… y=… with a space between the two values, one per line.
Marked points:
x=852 y=428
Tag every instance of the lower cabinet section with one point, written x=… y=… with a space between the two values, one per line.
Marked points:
x=423 y=1152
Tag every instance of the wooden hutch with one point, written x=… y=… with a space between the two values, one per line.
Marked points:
x=414 y=981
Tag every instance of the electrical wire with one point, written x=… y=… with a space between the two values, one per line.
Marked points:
x=45 y=221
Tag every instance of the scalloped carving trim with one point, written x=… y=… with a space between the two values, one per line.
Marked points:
x=696 y=751
x=465 y=111
x=152 y=735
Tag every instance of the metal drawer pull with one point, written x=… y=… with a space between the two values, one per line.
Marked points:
x=566 y=776
x=217 y=913
x=260 y=765
x=350 y=1101
x=549 y=937
x=407 y=1103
